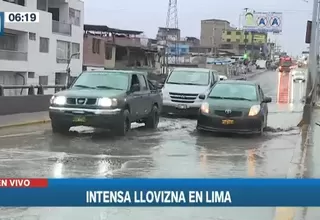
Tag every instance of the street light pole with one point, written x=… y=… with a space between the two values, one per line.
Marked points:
x=68 y=68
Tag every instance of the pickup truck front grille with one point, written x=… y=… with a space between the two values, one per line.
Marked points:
x=183 y=97
x=81 y=101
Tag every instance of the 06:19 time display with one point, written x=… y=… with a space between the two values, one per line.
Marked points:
x=21 y=17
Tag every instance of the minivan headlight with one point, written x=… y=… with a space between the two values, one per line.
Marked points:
x=58 y=100
x=107 y=102
x=254 y=110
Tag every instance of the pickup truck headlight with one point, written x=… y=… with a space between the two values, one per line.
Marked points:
x=58 y=100
x=254 y=110
x=107 y=102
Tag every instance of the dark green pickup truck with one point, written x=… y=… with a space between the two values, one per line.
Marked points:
x=110 y=99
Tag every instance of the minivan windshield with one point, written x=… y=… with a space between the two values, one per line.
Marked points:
x=234 y=91
x=102 y=80
x=189 y=78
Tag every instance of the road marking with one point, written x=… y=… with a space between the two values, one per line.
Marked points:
x=284 y=88
x=279 y=77
x=292 y=89
x=284 y=213
x=21 y=134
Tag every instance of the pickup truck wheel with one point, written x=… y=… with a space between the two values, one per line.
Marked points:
x=125 y=125
x=59 y=127
x=153 y=119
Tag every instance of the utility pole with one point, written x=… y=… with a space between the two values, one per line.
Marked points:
x=172 y=25
x=313 y=70
x=245 y=35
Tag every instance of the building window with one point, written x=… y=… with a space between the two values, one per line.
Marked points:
x=74 y=16
x=44 y=45
x=18 y=2
x=31 y=75
x=43 y=80
x=96 y=45
x=108 y=52
x=238 y=33
x=238 y=40
x=32 y=36
x=63 y=51
x=228 y=32
x=76 y=49
x=228 y=40
x=9 y=42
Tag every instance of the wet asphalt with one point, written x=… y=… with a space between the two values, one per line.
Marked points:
x=174 y=150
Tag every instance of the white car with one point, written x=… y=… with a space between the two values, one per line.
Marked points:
x=222 y=77
x=298 y=76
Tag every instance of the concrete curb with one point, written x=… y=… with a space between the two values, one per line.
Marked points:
x=21 y=124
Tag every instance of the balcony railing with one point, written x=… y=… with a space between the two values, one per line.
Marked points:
x=61 y=28
x=13 y=55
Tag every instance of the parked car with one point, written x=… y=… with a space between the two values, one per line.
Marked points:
x=234 y=106
x=182 y=88
x=298 y=75
x=110 y=99
x=223 y=77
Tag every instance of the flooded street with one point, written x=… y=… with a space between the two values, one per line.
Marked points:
x=174 y=150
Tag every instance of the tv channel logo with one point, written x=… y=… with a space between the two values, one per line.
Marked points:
x=1 y=23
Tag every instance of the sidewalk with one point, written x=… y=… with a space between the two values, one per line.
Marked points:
x=311 y=164
x=24 y=119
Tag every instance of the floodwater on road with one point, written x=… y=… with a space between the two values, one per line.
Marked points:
x=175 y=149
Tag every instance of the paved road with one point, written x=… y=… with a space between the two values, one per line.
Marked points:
x=175 y=150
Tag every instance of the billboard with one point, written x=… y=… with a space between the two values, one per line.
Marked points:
x=179 y=49
x=263 y=22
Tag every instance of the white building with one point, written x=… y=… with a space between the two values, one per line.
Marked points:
x=37 y=53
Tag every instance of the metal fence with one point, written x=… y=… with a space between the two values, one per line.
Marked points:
x=32 y=90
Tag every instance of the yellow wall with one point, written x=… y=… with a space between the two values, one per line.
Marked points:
x=235 y=36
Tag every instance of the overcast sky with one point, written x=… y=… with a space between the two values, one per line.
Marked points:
x=148 y=15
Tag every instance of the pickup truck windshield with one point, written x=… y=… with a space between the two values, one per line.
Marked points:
x=102 y=80
x=189 y=78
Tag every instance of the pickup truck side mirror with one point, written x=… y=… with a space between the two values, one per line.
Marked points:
x=135 y=88
x=202 y=96
x=267 y=100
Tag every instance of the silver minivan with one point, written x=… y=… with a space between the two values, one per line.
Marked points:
x=183 y=87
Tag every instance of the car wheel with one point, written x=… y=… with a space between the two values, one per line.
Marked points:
x=125 y=125
x=59 y=127
x=153 y=119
